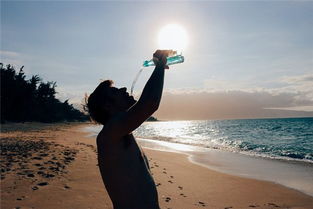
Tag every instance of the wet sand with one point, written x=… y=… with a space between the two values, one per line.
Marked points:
x=55 y=166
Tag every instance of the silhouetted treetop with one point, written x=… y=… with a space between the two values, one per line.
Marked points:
x=32 y=100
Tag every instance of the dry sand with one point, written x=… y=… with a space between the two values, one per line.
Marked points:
x=55 y=166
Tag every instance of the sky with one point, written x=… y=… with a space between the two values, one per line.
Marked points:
x=244 y=59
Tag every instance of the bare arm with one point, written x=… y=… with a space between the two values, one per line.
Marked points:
x=125 y=122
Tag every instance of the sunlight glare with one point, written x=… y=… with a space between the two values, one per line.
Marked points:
x=172 y=36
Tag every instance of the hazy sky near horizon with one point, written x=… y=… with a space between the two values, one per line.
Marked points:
x=258 y=53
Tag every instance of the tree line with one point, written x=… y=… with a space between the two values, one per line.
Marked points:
x=32 y=100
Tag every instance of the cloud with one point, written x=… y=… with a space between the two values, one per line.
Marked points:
x=221 y=99
x=298 y=108
x=230 y=104
x=300 y=85
x=10 y=57
x=9 y=53
x=213 y=85
x=307 y=78
x=74 y=93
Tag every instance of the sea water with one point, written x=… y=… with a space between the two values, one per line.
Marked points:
x=276 y=150
x=288 y=138
x=285 y=138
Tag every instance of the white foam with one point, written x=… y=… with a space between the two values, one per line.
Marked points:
x=292 y=174
x=296 y=174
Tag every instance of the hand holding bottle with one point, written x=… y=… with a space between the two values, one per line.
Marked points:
x=171 y=58
x=160 y=57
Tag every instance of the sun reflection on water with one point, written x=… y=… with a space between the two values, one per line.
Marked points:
x=186 y=132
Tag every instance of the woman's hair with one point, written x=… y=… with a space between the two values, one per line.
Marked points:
x=96 y=100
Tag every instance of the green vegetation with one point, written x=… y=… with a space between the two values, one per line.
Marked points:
x=32 y=100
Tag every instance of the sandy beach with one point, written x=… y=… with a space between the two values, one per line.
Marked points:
x=55 y=166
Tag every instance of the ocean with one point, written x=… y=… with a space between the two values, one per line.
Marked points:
x=287 y=138
x=278 y=150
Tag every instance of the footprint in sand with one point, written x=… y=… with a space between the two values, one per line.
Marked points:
x=273 y=204
x=40 y=172
x=182 y=194
x=20 y=198
x=43 y=184
x=167 y=199
x=30 y=175
x=35 y=188
x=155 y=164
x=48 y=175
x=228 y=207
x=180 y=187
x=202 y=204
x=170 y=181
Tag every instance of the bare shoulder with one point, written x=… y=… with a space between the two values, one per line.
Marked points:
x=108 y=132
x=112 y=127
x=104 y=135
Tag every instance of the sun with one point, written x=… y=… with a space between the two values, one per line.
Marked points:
x=172 y=36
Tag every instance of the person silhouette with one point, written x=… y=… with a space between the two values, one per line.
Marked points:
x=123 y=165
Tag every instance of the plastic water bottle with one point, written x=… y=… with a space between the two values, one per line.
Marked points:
x=170 y=61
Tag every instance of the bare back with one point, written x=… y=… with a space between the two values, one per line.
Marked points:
x=123 y=166
x=125 y=173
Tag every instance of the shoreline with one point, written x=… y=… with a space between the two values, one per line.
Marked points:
x=293 y=175
x=290 y=173
x=180 y=183
x=213 y=189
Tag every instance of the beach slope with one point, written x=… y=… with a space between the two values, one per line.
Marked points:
x=55 y=166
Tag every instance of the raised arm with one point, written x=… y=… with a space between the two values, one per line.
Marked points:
x=125 y=122
x=152 y=92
